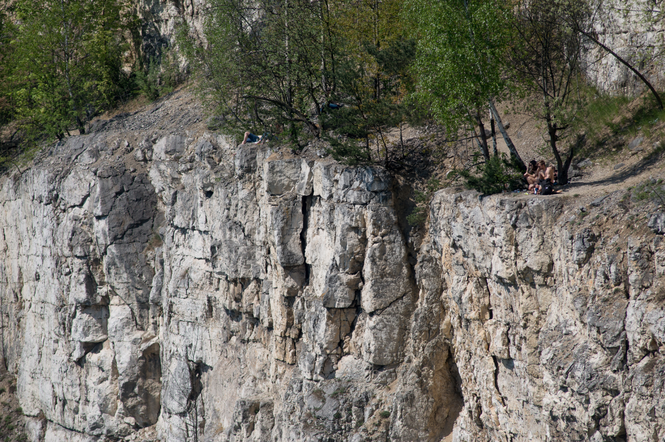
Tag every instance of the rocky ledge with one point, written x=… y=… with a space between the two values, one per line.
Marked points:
x=171 y=286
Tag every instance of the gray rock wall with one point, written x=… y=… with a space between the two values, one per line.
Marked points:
x=635 y=30
x=164 y=284
x=554 y=315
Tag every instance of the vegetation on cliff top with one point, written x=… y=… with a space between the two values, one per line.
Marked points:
x=343 y=71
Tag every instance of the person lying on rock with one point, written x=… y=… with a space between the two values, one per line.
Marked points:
x=251 y=138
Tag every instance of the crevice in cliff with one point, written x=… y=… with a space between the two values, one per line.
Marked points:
x=306 y=206
x=379 y=311
x=496 y=379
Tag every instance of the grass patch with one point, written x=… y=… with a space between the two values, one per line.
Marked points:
x=650 y=190
x=611 y=122
x=384 y=414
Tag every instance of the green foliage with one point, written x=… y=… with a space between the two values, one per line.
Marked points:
x=494 y=176
x=337 y=392
x=264 y=65
x=161 y=75
x=65 y=62
x=371 y=88
x=384 y=414
x=372 y=80
x=7 y=29
x=461 y=51
x=303 y=69
x=651 y=190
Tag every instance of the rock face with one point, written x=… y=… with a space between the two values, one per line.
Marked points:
x=160 y=283
x=634 y=29
x=555 y=325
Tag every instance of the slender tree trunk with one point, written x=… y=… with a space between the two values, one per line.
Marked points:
x=483 y=137
x=494 y=147
x=563 y=173
x=561 y=166
x=67 y=25
x=506 y=138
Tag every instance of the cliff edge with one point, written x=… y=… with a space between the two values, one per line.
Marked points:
x=159 y=283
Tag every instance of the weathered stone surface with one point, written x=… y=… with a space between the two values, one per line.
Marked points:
x=226 y=293
x=632 y=29
x=550 y=324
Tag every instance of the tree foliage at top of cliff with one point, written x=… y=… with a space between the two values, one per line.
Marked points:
x=264 y=62
x=6 y=30
x=64 y=62
x=306 y=69
x=461 y=55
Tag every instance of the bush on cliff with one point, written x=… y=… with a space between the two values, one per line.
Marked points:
x=494 y=176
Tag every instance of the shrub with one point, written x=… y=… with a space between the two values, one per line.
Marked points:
x=419 y=214
x=160 y=77
x=494 y=176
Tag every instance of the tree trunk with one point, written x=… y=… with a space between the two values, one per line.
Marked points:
x=483 y=137
x=509 y=142
x=563 y=173
x=494 y=147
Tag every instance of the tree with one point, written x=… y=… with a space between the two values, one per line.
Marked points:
x=66 y=62
x=265 y=64
x=6 y=32
x=316 y=68
x=460 y=61
x=373 y=79
x=546 y=62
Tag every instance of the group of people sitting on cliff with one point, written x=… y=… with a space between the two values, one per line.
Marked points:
x=541 y=178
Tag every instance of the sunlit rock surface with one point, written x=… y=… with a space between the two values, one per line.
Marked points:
x=159 y=283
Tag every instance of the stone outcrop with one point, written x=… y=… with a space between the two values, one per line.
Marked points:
x=158 y=282
x=555 y=322
x=634 y=29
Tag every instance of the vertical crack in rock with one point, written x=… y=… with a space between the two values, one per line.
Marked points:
x=496 y=380
x=306 y=205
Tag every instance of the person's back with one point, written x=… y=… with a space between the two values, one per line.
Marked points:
x=550 y=173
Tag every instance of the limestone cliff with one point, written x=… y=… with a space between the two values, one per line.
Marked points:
x=634 y=29
x=158 y=282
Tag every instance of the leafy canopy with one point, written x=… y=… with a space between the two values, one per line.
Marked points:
x=461 y=53
x=309 y=69
x=65 y=62
x=264 y=63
